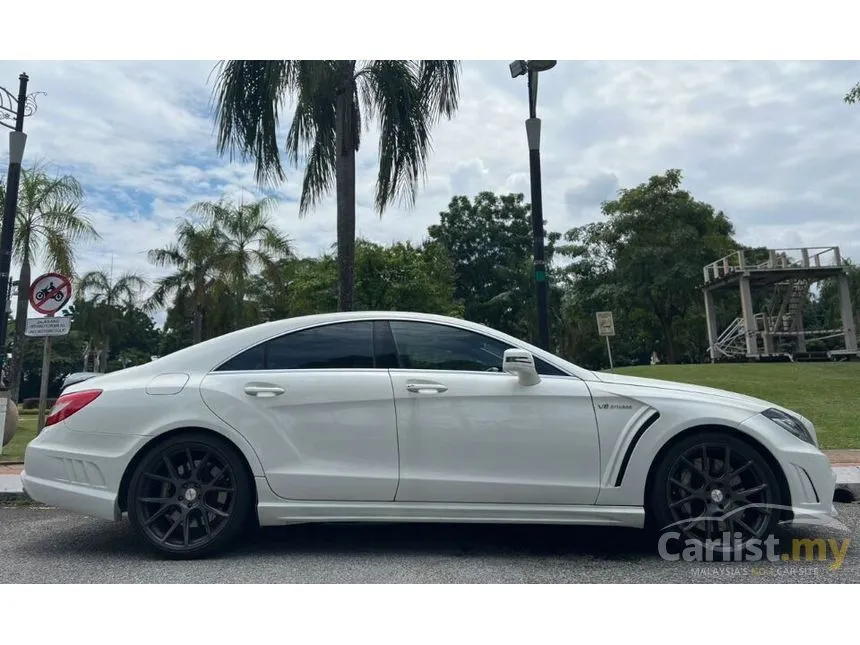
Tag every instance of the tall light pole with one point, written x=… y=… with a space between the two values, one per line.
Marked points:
x=532 y=68
x=17 y=107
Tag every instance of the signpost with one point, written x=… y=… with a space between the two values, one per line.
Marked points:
x=49 y=293
x=606 y=328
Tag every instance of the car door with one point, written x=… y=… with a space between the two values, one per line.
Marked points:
x=470 y=433
x=317 y=407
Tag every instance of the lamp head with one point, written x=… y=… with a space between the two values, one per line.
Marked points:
x=541 y=65
x=518 y=68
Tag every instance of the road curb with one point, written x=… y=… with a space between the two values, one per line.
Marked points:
x=847 y=483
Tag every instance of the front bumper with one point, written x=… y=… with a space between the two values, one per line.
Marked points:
x=78 y=471
x=808 y=472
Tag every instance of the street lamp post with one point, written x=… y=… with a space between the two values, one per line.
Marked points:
x=17 y=108
x=532 y=68
x=23 y=106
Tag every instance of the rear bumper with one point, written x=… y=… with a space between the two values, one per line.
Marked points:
x=78 y=471
x=78 y=499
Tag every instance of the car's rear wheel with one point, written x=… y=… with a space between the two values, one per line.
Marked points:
x=716 y=491
x=190 y=496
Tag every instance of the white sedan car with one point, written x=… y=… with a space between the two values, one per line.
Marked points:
x=404 y=417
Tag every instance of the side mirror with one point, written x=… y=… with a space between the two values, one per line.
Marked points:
x=521 y=364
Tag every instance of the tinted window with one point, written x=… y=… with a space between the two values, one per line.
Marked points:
x=546 y=369
x=251 y=359
x=341 y=346
x=427 y=346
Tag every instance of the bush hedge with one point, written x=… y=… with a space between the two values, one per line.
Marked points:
x=33 y=404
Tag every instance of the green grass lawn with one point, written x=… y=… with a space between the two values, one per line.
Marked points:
x=14 y=450
x=828 y=394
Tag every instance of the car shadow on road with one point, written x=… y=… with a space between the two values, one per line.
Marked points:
x=101 y=539
x=451 y=540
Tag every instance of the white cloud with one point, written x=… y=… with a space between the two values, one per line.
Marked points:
x=771 y=144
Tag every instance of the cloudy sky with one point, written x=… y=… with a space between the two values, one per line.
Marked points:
x=770 y=143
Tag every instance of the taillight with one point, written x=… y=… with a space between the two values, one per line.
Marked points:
x=70 y=403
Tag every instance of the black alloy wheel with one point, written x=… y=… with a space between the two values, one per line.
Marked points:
x=190 y=496
x=714 y=486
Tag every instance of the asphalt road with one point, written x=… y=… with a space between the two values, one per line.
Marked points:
x=43 y=545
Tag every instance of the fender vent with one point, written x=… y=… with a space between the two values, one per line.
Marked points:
x=647 y=423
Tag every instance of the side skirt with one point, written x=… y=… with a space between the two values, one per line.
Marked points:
x=273 y=512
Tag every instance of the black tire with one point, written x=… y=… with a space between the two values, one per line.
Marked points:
x=749 y=499
x=193 y=510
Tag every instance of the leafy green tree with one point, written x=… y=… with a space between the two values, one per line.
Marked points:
x=332 y=99
x=825 y=310
x=250 y=241
x=296 y=287
x=402 y=277
x=489 y=245
x=138 y=341
x=49 y=223
x=645 y=261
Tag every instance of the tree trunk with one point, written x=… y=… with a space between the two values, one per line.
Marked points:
x=345 y=186
x=240 y=302
x=105 y=356
x=17 y=362
x=197 y=328
x=86 y=356
x=669 y=337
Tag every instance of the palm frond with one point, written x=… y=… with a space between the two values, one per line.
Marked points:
x=168 y=256
x=58 y=252
x=439 y=84
x=312 y=131
x=404 y=140
x=249 y=95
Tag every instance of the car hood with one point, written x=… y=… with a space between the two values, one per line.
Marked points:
x=739 y=400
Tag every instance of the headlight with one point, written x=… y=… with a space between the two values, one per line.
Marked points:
x=788 y=422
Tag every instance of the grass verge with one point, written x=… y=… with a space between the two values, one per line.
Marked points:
x=826 y=393
x=14 y=450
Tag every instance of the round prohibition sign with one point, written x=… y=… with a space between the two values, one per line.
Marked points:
x=50 y=292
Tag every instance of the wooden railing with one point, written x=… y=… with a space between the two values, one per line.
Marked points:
x=796 y=258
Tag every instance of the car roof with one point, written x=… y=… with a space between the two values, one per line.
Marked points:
x=208 y=354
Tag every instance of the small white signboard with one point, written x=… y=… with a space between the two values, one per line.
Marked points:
x=605 y=324
x=48 y=326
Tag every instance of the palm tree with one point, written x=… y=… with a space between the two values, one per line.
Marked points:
x=48 y=223
x=195 y=257
x=406 y=97
x=108 y=295
x=250 y=241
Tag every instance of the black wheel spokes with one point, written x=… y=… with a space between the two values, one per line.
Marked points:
x=715 y=493
x=186 y=498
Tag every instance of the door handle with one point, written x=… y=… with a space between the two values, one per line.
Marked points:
x=426 y=388
x=263 y=390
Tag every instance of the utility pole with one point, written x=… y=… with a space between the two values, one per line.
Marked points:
x=532 y=68
x=17 y=141
x=17 y=108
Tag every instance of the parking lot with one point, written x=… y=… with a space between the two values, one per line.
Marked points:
x=44 y=545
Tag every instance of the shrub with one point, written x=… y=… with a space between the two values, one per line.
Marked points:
x=33 y=403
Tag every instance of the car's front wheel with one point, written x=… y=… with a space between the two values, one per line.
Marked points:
x=190 y=496
x=716 y=490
